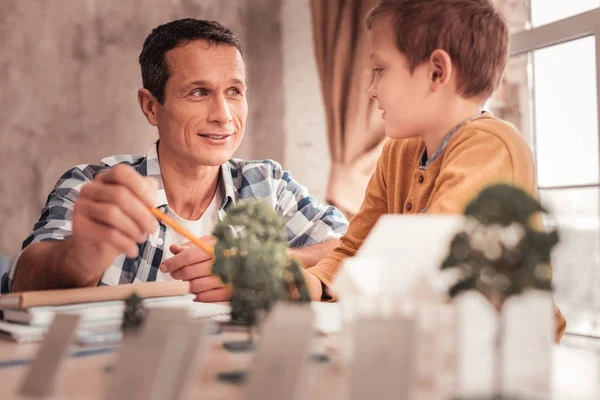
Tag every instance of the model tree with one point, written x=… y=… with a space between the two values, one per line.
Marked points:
x=251 y=254
x=134 y=314
x=502 y=251
x=294 y=285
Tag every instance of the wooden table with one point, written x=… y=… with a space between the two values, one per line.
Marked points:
x=576 y=374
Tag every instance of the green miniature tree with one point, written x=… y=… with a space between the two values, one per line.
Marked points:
x=251 y=254
x=295 y=287
x=134 y=314
x=501 y=253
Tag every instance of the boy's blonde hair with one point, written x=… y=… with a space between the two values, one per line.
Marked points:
x=472 y=32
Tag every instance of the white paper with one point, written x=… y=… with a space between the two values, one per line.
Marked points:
x=328 y=318
x=42 y=375
x=412 y=245
x=383 y=358
x=213 y=311
x=476 y=328
x=21 y=333
x=445 y=357
x=529 y=330
x=280 y=368
x=397 y=266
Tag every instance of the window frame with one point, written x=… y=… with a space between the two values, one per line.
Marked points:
x=569 y=29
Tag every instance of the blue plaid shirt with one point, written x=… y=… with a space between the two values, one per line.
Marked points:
x=307 y=222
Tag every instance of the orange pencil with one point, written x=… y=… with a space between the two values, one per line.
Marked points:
x=165 y=219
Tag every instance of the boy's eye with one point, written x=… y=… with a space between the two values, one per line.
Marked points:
x=376 y=73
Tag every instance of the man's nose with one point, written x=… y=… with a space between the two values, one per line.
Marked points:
x=220 y=111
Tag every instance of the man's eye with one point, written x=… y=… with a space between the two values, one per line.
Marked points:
x=199 y=93
x=234 y=92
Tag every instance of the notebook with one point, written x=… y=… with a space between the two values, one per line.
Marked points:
x=109 y=330
x=92 y=294
x=91 y=313
x=21 y=333
x=86 y=336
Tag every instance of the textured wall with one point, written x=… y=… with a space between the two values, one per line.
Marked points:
x=306 y=148
x=69 y=77
x=265 y=133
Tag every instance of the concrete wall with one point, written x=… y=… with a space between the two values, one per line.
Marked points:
x=306 y=147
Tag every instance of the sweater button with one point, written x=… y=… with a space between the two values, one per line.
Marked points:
x=421 y=179
x=409 y=206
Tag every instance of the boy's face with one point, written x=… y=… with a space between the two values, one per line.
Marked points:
x=404 y=97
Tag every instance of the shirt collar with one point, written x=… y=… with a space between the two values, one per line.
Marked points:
x=153 y=169
x=227 y=186
x=425 y=161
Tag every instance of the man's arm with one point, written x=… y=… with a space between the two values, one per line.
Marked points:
x=311 y=255
x=84 y=227
x=313 y=229
x=44 y=262
x=307 y=222
x=49 y=265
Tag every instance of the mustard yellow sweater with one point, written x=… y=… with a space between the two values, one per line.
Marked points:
x=481 y=152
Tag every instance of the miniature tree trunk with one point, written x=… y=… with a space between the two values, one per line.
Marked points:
x=250 y=333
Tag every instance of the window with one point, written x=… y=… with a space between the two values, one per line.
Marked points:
x=550 y=93
x=566 y=113
x=546 y=11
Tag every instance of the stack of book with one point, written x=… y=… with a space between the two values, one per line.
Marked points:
x=27 y=315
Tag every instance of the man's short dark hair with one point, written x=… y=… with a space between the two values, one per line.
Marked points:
x=155 y=71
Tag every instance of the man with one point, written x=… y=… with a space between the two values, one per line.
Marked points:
x=96 y=227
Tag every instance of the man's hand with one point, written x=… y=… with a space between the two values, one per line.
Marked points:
x=311 y=255
x=110 y=217
x=189 y=263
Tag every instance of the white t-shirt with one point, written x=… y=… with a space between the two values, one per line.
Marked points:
x=202 y=227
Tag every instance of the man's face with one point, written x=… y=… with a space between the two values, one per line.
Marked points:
x=402 y=95
x=204 y=113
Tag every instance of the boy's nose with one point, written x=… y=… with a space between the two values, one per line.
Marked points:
x=372 y=91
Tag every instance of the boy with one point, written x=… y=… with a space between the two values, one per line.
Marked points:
x=435 y=64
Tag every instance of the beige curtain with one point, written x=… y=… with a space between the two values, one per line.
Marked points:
x=355 y=128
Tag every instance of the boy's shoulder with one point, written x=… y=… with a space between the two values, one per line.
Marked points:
x=491 y=135
x=486 y=132
x=489 y=132
x=491 y=127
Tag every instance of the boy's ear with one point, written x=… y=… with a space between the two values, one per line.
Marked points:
x=149 y=105
x=440 y=69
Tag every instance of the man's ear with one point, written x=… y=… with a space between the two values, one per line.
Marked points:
x=440 y=69
x=149 y=106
